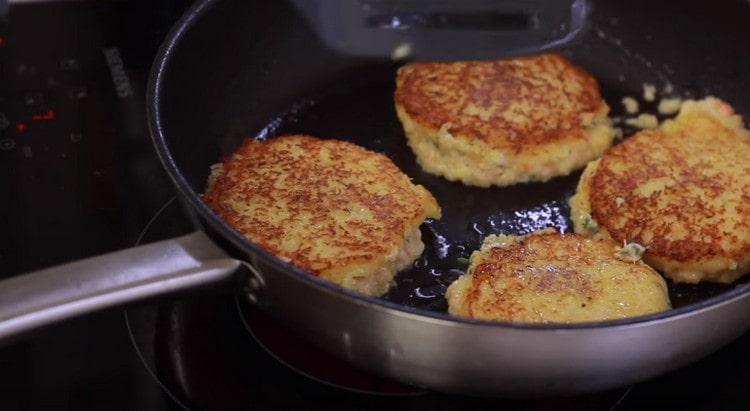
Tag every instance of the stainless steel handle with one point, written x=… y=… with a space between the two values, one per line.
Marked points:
x=32 y=300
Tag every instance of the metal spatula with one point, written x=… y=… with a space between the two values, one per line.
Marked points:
x=444 y=29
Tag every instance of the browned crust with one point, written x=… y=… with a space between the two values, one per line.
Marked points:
x=698 y=160
x=525 y=102
x=542 y=263
x=306 y=180
x=517 y=264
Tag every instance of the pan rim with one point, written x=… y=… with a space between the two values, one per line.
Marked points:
x=159 y=70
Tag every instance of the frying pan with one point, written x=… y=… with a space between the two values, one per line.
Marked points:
x=232 y=69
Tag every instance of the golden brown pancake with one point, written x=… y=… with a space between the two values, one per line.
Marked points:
x=502 y=122
x=682 y=191
x=329 y=207
x=561 y=278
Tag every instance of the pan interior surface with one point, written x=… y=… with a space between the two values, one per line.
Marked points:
x=359 y=108
x=256 y=72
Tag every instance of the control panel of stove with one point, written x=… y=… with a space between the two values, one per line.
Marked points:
x=72 y=124
x=41 y=100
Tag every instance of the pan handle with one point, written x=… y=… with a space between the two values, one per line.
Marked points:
x=39 y=298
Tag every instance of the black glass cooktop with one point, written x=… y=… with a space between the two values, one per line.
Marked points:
x=79 y=177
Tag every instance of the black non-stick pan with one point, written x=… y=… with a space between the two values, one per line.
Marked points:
x=233 y=69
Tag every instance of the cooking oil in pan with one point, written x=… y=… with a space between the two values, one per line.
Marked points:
x=358 y=107
x=446 y=254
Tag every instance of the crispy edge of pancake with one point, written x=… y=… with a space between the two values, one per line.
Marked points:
x=476 y=163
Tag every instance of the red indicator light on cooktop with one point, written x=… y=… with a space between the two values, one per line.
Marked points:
x=49 y=115
x=2 y=41
x=20 y=127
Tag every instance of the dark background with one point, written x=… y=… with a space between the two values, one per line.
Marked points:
x=90 y=185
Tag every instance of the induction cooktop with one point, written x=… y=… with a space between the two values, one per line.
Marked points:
x=79 y=177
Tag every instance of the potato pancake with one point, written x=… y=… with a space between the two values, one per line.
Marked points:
x=329 y=207
x=548 y=277
x=682 y=191
x=502 y=122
